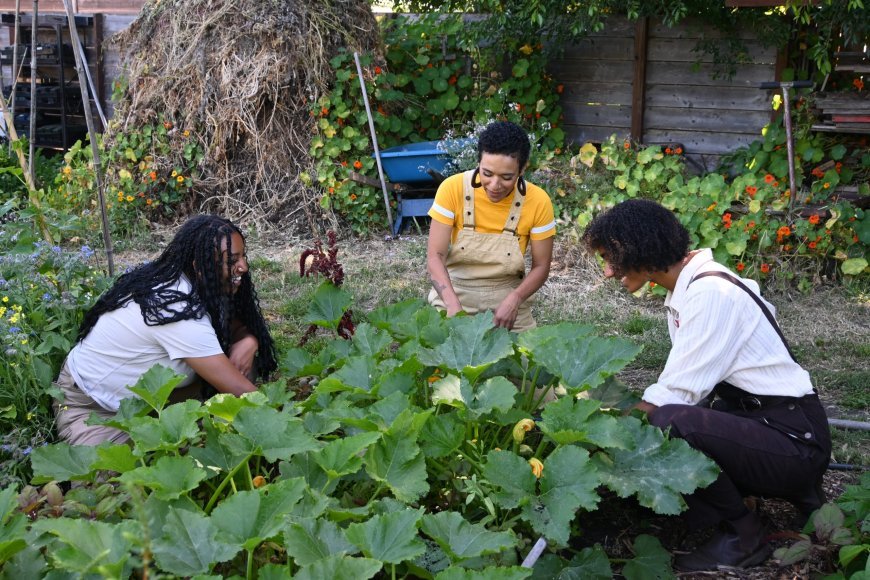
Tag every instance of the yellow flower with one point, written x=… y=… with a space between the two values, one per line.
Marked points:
x=259 y=481
x=2 y=310
x=526 y=49
x=130 y=198
x=180 y=179
x=174 y=173
x=5 y=299
x=14 y=318
x=186 y=133
x=537 y=467
x=23 y=341
x=522 y=427
x=67 y=170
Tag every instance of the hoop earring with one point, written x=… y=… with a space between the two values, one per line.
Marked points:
x=475 y=179
x=521 y=186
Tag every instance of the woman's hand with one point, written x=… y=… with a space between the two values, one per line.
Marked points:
x=506 y=313
x=242 y=354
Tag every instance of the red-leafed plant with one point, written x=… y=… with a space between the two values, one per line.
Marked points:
x=325 y=263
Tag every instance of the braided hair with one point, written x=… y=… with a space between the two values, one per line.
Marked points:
x=195 y=252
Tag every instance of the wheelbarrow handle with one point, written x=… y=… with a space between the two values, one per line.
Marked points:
x=789 y=84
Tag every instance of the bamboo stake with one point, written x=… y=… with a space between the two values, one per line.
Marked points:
x=31 y=137
x=92 y=134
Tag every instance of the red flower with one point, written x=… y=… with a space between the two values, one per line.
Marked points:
x=357 y=164
x=751 y=190
x=858 y=84
x=814 y=219
x=560 y=88
x=678 y=150
x=378 y=70
x=451 y=80
x=668 y=151
x=812 y=245
x=344 y=163
x=765 y=268
x=740 y=266
x=769 y=178
x=324 y=111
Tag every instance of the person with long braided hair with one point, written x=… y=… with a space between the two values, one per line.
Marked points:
x=193 y=309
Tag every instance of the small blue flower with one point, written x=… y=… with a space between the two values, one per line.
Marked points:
x=56 y=249
x=86 y=252
x=3 y=282
x=27 y=450
x=14 y=330
x=46 y=297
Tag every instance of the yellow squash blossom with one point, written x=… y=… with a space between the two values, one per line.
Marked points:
x=537 y=467
x=522 y=427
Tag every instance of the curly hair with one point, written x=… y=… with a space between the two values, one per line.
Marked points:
x=504 y=138
x=638 y=234
x=150 y=285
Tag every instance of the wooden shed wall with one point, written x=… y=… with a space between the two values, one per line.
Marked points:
x=680 y=100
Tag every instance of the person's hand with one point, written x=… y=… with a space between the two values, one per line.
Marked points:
x=643 y=406
x=506 y=313
x=453 y=310
x=242 y=354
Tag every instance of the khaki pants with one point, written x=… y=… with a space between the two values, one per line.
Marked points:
x=75 y=410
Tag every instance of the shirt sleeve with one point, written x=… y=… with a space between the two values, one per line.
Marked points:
x=445 y=207
x=705 y=346
x=544 y=225
x=191 y=338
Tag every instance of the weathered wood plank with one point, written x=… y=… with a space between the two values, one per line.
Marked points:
x=621 y=48
x=80 y=6
x=683 y=50
x=599 y=116
x=694 y=29
x=695 y=142
x=579 y=135
x=712 y=120
x=701 y=97
x=576 y=93
x=592 y=70
x=685 y=74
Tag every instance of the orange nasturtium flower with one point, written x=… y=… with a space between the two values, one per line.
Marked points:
x=67 y=170
x=130 y=198
x=783 y=231
x=740 y=266
x=522 y=427
x=814 y=219
x=826 y=185
x=180 y=179
x=678 y=150
x=751 y=190
x=148 y=201
x=537 y=467
x=858 y=84
x=711 y=206
x=626 y=145
x=353 y=197
x=153 y=176
x=378 y=70
x=765 y=268
x=812 y=245
x=668 y=151
x=769 y=178
x=357 y=164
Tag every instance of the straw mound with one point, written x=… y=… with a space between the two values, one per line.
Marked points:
x=243 y=73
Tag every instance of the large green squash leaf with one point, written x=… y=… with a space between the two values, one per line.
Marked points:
x=357 y=374
x=169 y=477
x=651 y=561
x=589 y=564
x=442 y=435
x=369 y=341
x=512 y=475
x=461 y=539
x=391 y=538
x=62 y=462
x=226 y=406
x=12 y=525
x=175 y=427
x=571 y=420
x=308 y=540
x=90 y=547
x=328 y=305
x=496 y=394
x=342 y=456
x=340 y=567
x=155 y=386
x=251 y=517
x=397 y=461
x=657 y=469
x=489 y=573
x=268 y=432
x=214 y=456
x=117 y=458
x=191 y=544
x=472 y=345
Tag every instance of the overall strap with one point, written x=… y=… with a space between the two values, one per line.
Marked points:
x=467 y=200
x=736 y=281
x=513 y=218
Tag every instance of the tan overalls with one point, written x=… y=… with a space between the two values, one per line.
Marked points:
x=485 y=268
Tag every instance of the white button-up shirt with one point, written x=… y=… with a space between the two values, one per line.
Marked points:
x=719 y=334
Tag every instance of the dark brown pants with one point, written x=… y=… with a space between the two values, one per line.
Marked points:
x=777 y=451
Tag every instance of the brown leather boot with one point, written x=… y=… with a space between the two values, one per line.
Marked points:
x=738 y=544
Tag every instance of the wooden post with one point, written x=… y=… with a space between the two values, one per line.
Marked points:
x=638 y=84
x=92 y=134
x=31 y=137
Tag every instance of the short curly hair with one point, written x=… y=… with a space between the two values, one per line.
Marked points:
x=504 y=138
x=638 y=235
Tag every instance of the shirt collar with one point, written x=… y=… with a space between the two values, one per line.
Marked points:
x=701 y=257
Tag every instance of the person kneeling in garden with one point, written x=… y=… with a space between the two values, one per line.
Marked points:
x=482 y=222
x=730 y=387
x=194 y=310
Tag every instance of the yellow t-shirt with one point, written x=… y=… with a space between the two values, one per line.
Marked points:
x=536 y=219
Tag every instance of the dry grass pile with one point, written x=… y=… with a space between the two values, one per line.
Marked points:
x=243 y=73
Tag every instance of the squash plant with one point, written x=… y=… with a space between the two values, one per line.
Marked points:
x=418 y=451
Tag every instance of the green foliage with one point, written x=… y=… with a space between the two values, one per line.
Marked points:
x=378 y=467
x=432 y=82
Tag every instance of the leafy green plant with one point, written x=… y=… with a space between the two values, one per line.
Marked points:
x=416 y=453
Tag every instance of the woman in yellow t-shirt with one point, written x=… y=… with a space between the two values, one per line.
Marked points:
x=483 y=221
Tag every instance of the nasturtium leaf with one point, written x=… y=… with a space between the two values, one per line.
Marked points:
x=657 y=469
x=473 y=344
x=297 y=362
x=226 y=406
x=736 y=248
x=397 y=461
x=369 y=341
x=651 y=561
x=488 y=573
x=328 y=305
x=357 y=373
x=341 y=456
x=797 y=552
x=117 y=458
x=251 y=517
x=583 y=361
x=308 y=540
x=496 y=394
x=155 y=386
x=461 y=539
x=442 y=435
x=391 y=538
x=512 y=475
x=854 y=266
x=175 y=427
x=190 y=544
x=12 y=525
x=571 y=420
x=62 y=462
x=268 y=432
x=567 y=484
x=339 y=567
x=169 y=477
x=90 y=547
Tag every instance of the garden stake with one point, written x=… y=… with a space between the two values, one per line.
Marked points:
x=536 y=552
x=31 y=137
x=92 y=134
x=365 y=96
